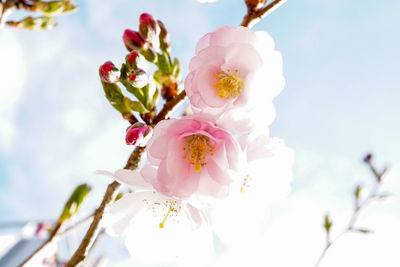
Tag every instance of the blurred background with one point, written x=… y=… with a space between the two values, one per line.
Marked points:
x=341 y=100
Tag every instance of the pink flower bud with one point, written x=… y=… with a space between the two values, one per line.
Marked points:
x=138 y=78
x=132 y=40
x=132 y=59
x=109 y=73
x=147 y=23
x=138 y=134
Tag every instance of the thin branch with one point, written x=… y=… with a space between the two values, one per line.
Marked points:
x=72 y=228
x=52 y=238
x=169 y=107
x=254 y=16
x=373 y=193
x=81 y=253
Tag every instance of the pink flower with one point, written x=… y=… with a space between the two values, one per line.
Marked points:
x=234 y=76
x=191 y=155
x=138 y=134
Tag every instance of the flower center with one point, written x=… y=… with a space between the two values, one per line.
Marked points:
x=229 y=84
x=197 y=149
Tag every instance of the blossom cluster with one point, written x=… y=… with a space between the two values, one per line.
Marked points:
x=218 y=169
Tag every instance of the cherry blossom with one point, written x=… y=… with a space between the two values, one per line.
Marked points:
x=190 y=156
x=234 y=76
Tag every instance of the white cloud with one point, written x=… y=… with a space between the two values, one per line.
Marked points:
x=12 y=79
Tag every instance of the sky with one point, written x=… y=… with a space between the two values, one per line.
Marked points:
x=340 y=102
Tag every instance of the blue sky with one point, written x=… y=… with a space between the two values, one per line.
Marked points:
x=340 y=101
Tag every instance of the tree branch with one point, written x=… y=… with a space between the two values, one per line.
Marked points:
x=169 y=107
x=112 y=190
x=254 y=16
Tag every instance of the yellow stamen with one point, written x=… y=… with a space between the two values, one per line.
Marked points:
x=173 y=209
x=165 y=218
x=197 y=149
x=245 y=184
x=229 y=84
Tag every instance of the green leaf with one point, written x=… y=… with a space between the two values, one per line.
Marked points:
x=327 y=223
x=115 y=97
x=135 y=105
x=357 y=192
x=74 y=202
x=363 y=231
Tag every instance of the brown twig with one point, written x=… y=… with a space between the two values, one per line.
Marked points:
x=112 y=190
x=169 y=107
x=254 y=16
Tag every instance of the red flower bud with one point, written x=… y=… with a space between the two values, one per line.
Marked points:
x=133 y=57
x=138 y=134
x=109 y=73
x=132 y=40
x=147 y=23
x=138 y=78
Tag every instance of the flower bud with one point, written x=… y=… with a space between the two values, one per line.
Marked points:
x=132 y=40
x=138 y=134
x=33 y=24
x=109 y=73
x=164 y=37
x=132 y=59
x=367 y=159
x=53 y=7
x=148 y=27
x=138 y=78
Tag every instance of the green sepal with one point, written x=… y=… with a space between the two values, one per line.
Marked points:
x=155 y=98
x=74 y=202
x=148 y=53
x=176 y=69
x=163 y=64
